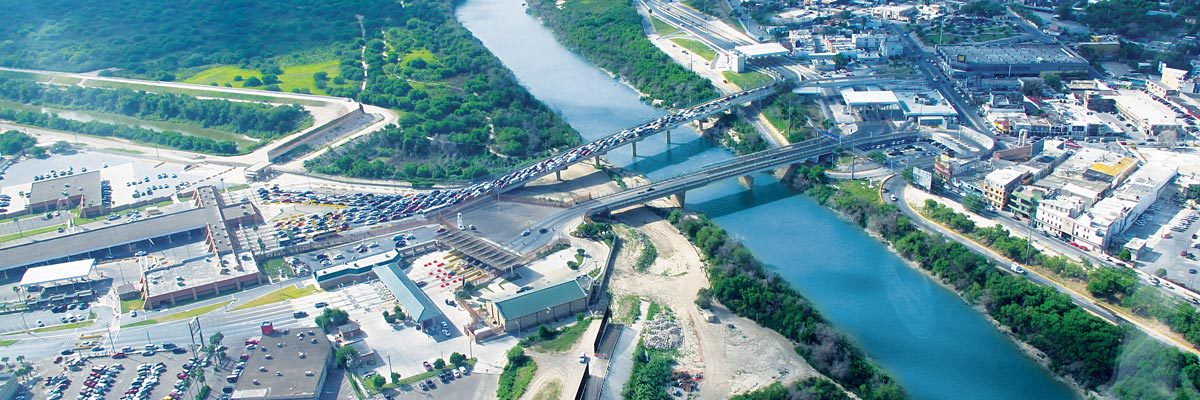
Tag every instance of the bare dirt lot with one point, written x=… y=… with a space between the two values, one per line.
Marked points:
x=735 y=354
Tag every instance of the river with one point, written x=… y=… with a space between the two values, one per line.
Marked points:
x=924 y=335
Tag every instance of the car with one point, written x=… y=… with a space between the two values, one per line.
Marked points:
x=299 y=314
x=147 y=353
x=66 y=352
x=321 y=304
x=140 y=253
x=40 y=323
x=178 y=350
x=427 y=365
x=429 y=382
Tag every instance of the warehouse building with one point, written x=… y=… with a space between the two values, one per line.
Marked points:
x=1010 y=60
x=542 y=306
x=291 y=365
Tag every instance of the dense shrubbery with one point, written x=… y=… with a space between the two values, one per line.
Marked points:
x=465 y=116
x=812 y=388
x=253 y=119
x=609 y=34
x=999 y=239
x=15 y=142
x=155 y=39
x=1079 y=345
x=517 y=374
x=740 y=282
x=650 y=377
x=170 y=139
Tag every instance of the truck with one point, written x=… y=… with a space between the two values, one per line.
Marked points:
x=1017 y=269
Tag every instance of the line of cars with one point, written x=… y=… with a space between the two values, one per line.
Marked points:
x=370 y=209
x=446 y=375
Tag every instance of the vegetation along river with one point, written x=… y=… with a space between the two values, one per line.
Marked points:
x=932 y=342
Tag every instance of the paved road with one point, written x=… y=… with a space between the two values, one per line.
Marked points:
x=897 y=186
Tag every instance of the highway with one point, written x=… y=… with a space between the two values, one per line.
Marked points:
x=712 y=31
x=934 y=77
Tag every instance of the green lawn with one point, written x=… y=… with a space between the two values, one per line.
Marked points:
x=293 y=77
x=265 y=97
x=520 y=378
x=28 y=232
x=748 y=80
x=565 y=339
x=271 y=267
x=696 y=47
x=422 y=54
x=198 y=311
x=82 y=220
x=287 y=293
x=7 y=342
x=130 y=305
x=858 y=188
x=61 y=327
x=662 y=28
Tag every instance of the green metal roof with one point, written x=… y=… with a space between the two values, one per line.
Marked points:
x=538 y=300
x=411 y=298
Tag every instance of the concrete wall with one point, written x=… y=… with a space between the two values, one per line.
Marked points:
x=301 y=139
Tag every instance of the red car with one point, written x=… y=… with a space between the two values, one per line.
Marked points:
x=428 y=366
x=182 y=376
x=118 y=355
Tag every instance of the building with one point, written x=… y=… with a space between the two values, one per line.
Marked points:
x=1009 y=60
x=8 y=386
x=998 y=184
x=355 y=271
x=287 y=365
x=1112 y=215
x=1056 y=216
x=542 y=306
x=1145 y=113
x=1114 y=172
x=412 y=299
x=68 y=191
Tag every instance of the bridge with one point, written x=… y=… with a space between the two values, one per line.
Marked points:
x=742 y=166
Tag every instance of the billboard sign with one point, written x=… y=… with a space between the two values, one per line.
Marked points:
x=923 y=178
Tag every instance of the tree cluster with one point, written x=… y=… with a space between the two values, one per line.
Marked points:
x=609 y=34
x=814 y=388
x=170 y=139
x=741 y=283
x=253 y=119
x=464 y=114
x=15 y=142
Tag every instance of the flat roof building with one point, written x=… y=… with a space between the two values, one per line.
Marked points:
x=990 y=61
x=287 y=365
x=1111 y=216
x=999 y=184
x=66 y=192
x=1145 y=113
x=542 y=306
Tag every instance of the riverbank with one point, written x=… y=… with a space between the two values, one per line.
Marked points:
x=1082 y=349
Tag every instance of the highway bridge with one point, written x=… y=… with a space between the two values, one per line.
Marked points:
x=631 y=136
x=788 y=156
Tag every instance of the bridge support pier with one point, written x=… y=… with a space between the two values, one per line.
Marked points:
x=634 y=149
x=597 y=160
x=679 y=198
x=747 y=181
x=558 y=175
x=786 y=172
x=668 y=132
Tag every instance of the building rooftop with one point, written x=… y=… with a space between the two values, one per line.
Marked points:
x=286 y=366
x=869 y=97
x=49 y=190
x=58 y=272
x=414 y=300
x=762 y=50
x=1004 y=177
x=1120 y=167
x=530 y=302
x=1011 y=54
x=1144 y=106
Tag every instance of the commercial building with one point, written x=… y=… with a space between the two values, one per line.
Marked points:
x=1145 y=113
x=67 y=192
x=1111 y=216
x=998 y=184
x=288 y=365
x=990 y=61
x=542 y=306
x=1056 y=216
x=355 y=271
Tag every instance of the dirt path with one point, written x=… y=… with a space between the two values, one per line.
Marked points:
x=735 y=354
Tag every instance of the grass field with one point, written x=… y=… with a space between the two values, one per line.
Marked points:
x=7 y=342
x=130 y=305
x=662 y=28
x=696 y=47
x=265 y=97
x=423 y=54
x=747 y=80
x=52 y=328
x=293 y=77
x=287 y=293
x=566 y=339
x=198 y=311
x=859 y=189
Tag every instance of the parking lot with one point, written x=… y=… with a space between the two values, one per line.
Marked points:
x=1170 y=232
x=135 y=376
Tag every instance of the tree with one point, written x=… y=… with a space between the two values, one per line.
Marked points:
x=1161 y=272
x=840 y=61
x=215 y=339
x=439 y=363
x=877 y=156
x=375 y=382
x=345 y=356
x=237 y=78
x=1111 y=283
x=331 y=318
x=253 y=82
x=457 y=359
x=395 y=378
x=704 y=298
x=270 y=79
x=1125 y=254
x=15 y=142
x=1063 y=10
x=974 y=203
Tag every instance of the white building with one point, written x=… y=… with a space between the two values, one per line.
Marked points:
x=1110 y=217
x=1056 y=216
